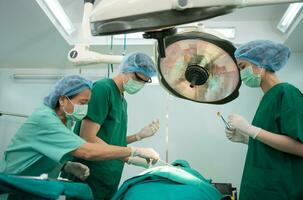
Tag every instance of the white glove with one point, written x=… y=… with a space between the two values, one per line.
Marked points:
x=148 y=130
x=141 y=162
x=77 y=169
x=241 y=126
x=147 y=153
x=235 y=136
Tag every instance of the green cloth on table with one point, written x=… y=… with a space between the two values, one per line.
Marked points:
x=167 y=182
x=50 y=189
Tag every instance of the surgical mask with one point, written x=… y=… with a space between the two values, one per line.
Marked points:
x=78 y=113
x=132 y=86
x=249 y=78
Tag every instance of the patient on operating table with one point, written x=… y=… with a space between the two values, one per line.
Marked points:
x=175 y=181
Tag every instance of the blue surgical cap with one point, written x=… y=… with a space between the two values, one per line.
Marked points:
x=67 y=86
x=138 y=62
x=264 y=53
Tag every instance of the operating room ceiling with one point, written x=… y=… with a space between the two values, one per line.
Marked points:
x=29 y=39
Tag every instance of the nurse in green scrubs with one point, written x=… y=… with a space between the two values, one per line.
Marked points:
x=106 y=122
x=45 y=142
x=274 y=161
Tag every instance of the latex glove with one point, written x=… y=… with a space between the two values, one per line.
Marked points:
x=141 y=162
x=235 y=136
x=77 y=169
x=147 y=153
x=241 y=126
x=148 y=130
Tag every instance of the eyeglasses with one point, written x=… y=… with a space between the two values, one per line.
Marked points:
x=141 y=79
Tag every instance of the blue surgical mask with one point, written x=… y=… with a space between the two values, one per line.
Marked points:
x=78 y=113
x=249 y=78
x=132 y=86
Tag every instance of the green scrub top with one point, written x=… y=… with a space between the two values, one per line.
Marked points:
x=270 y=173
x=40 y=145
x=109 y=109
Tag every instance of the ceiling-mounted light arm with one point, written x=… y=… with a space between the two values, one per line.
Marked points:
x=160 y=37
x=80 y=54
x=246 y=3
x=85 y=26
x=182 y=5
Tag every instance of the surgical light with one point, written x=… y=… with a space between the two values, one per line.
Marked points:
x=197 y=66
x=289 y=16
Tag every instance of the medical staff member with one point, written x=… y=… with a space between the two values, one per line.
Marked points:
x=106 y=121
x=274 y=161
x=46 y=141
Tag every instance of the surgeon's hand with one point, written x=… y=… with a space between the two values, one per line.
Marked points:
x=141 y=162
x=147 y=153
x=77 y=169
x=241 y=126
x=235 y=136
x=148 y=130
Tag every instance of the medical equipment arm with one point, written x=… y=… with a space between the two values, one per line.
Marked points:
x=238 y=3
x=80 y=54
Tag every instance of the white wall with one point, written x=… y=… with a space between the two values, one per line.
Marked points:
x=195 y=132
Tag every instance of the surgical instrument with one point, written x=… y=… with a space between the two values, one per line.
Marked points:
x=224 y=121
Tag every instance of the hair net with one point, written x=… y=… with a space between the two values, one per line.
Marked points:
x=264 y=53
x=138 y=62
x=67 y=86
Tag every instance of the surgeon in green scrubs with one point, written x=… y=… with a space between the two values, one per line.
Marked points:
x=106 y=122
x=274 y=161
x=45 y=142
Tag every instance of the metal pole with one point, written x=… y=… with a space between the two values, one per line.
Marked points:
x=13 y=114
